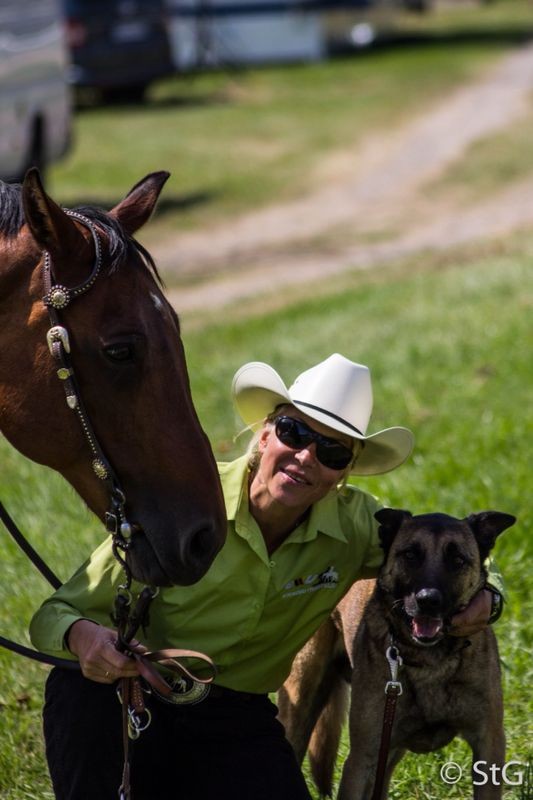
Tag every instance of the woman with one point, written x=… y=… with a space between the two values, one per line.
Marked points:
x=298 y=537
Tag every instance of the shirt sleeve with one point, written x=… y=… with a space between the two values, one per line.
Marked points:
x=88 y=594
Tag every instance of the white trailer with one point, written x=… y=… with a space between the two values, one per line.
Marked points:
x=35 y=111
x=234 y=32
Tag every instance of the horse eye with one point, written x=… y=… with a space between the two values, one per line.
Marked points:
x=120 y=353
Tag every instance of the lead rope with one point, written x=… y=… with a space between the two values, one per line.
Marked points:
x=136 y=717
x=393 y=689
x=133 y=708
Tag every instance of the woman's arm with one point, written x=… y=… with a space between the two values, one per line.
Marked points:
x=88 y=596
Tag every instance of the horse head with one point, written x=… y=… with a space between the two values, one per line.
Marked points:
x=130 y=372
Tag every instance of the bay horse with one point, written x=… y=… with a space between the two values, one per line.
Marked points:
x=83 y=268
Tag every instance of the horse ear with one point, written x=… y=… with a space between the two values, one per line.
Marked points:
x=390 y=521
x=51 y=227
x=137 y=206
x=487 y=525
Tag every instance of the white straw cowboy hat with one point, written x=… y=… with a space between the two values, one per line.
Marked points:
x=338 y=393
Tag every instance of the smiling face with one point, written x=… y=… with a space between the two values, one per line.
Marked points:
x=287 y=480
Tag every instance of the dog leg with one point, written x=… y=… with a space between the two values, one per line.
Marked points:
x=366 y=717
x=315 y=675
x=325 y=739
x=359 y=774
x=487 y=737
x=356 y=781
x=488 y=758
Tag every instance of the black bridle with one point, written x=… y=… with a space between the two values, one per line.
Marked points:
x=128 y=619
x=57 y=298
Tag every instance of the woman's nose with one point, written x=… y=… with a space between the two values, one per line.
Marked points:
x=307 y=455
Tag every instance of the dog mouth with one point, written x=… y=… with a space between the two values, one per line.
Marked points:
x=426 y=630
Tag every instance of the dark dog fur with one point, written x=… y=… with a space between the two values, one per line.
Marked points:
x=451 y=686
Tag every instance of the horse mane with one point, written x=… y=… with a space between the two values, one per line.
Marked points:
x=11 y=211
x=120 y=244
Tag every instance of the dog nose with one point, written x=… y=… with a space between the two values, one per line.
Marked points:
x=429 y=600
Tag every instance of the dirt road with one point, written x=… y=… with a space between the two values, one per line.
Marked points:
x=378 y=188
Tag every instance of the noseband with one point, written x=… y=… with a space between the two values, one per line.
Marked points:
x=57 y=299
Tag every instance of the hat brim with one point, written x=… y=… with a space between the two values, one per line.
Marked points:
x=257 y=390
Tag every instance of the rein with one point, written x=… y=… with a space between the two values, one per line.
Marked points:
x=135 y=716
x=393 y=689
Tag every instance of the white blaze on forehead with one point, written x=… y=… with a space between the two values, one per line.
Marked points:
x=158 y=303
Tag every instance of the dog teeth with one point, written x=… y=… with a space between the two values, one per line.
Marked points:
x=426 y=627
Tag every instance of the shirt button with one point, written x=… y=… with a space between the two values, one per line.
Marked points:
x=272 y=563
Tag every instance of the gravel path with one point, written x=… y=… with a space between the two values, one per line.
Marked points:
x=377 y=184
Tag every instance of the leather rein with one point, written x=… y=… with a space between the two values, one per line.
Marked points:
x=127 y=617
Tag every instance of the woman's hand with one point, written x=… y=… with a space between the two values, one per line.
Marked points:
x=100 y=661
x=474 y=617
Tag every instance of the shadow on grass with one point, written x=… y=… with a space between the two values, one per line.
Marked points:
x=512 y=35
x=91 y=102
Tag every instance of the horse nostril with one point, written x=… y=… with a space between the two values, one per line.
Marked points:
x=429 y=599
x=200 y=546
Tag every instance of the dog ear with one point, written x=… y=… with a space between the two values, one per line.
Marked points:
x=390 y=521
x=487 y=526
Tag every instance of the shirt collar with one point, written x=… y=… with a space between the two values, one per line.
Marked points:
x=323 y=519
x=232 y=475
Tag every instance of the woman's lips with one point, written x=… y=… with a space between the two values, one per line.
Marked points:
x=296 y=477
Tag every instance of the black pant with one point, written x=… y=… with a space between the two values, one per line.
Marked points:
x=228 y=747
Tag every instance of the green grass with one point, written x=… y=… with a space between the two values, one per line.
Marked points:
x=501 y=19
x=246 y=138
x=450 y=351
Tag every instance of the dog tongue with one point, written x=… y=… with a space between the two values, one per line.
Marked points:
x=426 y=627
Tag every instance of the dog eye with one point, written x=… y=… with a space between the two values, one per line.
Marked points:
x=458 y=561
x=411 y=556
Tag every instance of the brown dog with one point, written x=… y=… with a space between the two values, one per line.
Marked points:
x=451 y=686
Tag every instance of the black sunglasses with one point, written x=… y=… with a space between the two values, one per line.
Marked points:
x=296 y=434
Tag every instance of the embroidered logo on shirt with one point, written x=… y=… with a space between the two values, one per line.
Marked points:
x=312 y=583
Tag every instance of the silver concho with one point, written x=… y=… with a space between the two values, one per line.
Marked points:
x=58 y=297
x=185 y=692
x=58 y=334
x=100 y=469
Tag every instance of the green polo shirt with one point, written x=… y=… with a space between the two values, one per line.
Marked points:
x=251 y=612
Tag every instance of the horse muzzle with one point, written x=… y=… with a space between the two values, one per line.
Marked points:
x=182 y=561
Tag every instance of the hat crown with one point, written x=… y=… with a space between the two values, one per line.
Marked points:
x=337 y=393
x=339 y=388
